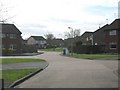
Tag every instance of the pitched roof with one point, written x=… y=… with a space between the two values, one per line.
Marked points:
x=9 y=28
x=86 y=34
x=115 y=24
x=58 y=39
x=105 y=27
x=38 y=37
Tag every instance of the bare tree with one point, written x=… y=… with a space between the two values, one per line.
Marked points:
x=50 y=40
x=76 y=32
x=49 y=36
x=4 y=13
x=72 y=36
x=72 y=33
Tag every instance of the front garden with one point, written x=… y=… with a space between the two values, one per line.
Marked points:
x=93 y=56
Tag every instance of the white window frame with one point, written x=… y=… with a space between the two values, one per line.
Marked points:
x=12 y=46
x=113 y=32
x=113 y=43
x=96 y=44
x=3 y=35
x=87 y=39
x=12 y=36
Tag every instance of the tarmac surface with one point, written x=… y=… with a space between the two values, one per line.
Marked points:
x=67 y=72
x=27 y=65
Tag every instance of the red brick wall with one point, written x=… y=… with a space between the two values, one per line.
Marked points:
x=17 y=41
x=108 y=40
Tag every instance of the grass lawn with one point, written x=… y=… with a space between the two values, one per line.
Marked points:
x=0 y=74
x=53 y=49
x=92 y=56
x=19 y=60
x=10 y=76
x=15 y=74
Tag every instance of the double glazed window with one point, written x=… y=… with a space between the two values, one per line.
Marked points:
x=113 y=32
x=3 y=46
x=12 y=46
x=3 y=35
x=12 y=36
x=113 y=45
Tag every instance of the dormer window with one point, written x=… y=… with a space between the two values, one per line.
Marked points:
x=113 y=32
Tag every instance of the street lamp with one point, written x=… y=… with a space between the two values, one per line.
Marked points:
x=72 y=37
x=72 y=32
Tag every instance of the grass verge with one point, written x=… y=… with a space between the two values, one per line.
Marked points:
x=92 y=56
x=10 y=76
x=53 y=49
x=19 y=60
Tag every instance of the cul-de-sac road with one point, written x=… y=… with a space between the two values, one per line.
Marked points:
x=66 y=72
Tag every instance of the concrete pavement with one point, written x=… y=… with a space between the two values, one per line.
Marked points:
x=66 y=72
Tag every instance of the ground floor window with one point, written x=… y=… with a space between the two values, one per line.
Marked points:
x=3 y=46
x=113 y=45
x=12 y=46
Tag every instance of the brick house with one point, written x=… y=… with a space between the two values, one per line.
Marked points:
x=11 y=39
x=99 y=36
x=86 y=38
x=57 y=42
x=112 y=37
x=104 y=40
x=37 y=41
x=108 y=37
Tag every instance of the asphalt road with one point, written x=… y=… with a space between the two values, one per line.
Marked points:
x=66 y=72
x=27 y=65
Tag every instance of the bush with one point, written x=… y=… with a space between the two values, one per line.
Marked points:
x=29 y=49
x=88 y=49
x=6 y=52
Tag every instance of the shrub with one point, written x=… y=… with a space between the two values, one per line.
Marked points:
x=88 y=49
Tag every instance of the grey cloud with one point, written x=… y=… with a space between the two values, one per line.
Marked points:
x=33 y=26
x=63 y=20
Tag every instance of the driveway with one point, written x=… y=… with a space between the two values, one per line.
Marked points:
x=66 y=72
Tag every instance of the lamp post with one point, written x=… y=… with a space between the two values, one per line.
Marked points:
x=72 y=37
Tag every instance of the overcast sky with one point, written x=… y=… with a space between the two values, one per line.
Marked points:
x=38 y=17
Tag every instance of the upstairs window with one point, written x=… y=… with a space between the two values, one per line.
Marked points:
x=87 y=39
x=91 y=37
x=113 y=32
x=12 y=36
x=3 y=35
